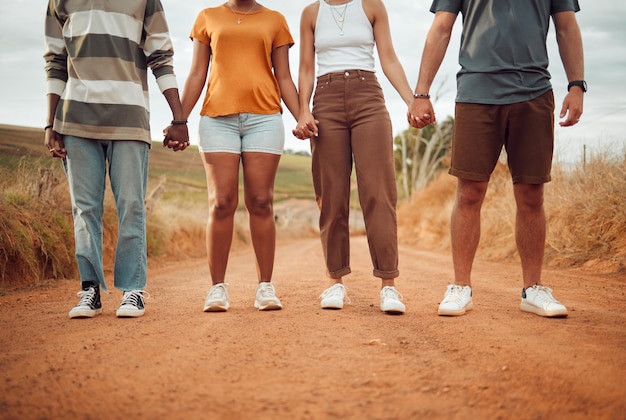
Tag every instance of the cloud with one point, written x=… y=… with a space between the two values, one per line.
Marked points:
x=601 y=22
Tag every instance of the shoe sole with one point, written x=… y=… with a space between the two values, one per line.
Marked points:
x=268 y=307
x=393 y=311
x=527 y=307
x=216 y=308
x=336 y=304
x=130 y=314
x=448 y=312
x=85 y=313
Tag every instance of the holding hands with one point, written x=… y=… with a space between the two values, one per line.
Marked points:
x=176 y=136
x=421 y=112
x=307 y=126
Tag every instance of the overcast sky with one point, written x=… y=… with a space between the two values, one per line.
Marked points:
x=601 y=128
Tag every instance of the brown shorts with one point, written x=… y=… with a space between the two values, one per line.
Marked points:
x=525 y=129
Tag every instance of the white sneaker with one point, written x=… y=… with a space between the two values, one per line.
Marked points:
x=456 y=301
x=266 y=299
x=539 y=300
x=334 y=296
x=217 y=299
x=391 y=301
x=133 y=304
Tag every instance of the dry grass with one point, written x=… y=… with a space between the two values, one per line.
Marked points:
x=36 y=226
x=37 y=241
x=584 y=208
x=587 y=220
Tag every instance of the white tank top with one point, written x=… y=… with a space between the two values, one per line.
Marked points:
x=344 y=38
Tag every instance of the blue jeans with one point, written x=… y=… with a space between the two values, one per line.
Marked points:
x=86 y=170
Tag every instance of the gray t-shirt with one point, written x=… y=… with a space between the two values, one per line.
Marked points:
x=503 y=54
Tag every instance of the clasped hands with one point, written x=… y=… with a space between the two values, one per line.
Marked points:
x=306 y=127
x=176 y=137
x=421 y=113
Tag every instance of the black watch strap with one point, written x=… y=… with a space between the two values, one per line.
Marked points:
x=580 y=83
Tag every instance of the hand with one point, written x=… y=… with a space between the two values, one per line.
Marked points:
x=572 y=108
x=307 y=127
x=176 y=137
x=54 y=143
x=421 y=113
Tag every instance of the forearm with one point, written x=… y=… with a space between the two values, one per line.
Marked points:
x=434 y=52
x=173 y=100
x=397 y=77
x=191 y=93
x=305 y=86
x=53 y=102
x=289 y=95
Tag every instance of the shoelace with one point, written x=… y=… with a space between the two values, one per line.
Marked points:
x=544 y=293
x=87 y=297
x=336 y=289
x=454 y=294
x=218 y=291
x=267 y=290
x=391 y=292
x=135 y=298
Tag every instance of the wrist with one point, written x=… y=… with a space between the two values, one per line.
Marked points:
x=178 y=122
x=421 y=95
x=578 y=83
x=47 y=127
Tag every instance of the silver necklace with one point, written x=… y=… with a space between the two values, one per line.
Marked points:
x=239 y=19
x=338 y=17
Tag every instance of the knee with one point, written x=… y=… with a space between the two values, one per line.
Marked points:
x=223 y=207
x=529 y=197
x=470 y=194
x=260 y=205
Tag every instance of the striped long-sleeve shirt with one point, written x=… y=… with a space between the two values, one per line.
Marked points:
x=97 y=56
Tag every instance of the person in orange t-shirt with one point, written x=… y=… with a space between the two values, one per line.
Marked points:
x=246 y=46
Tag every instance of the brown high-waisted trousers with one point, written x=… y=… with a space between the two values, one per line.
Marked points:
x=354 y=126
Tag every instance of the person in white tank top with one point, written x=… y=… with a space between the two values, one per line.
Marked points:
x=350 y=123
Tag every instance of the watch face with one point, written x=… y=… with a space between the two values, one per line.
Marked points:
x=581 y=83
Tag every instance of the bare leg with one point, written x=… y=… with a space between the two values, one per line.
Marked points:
x=530 y=230
x=388 y=282
x=222 y=175
x=259 y=173
x=465 y=227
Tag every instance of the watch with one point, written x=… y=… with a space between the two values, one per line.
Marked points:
x=580 y=83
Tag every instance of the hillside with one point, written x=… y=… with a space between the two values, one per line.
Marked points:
x=182 y=169
x=35 y=215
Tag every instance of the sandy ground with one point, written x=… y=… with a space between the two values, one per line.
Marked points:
x=307 y=363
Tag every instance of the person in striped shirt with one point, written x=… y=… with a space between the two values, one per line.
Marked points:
x=97 y=58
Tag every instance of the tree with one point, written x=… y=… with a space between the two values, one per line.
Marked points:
x=420 y=154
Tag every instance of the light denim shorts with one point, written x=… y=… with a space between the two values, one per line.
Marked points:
x=240 y=133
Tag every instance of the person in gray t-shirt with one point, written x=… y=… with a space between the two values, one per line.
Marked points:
x=504 y=99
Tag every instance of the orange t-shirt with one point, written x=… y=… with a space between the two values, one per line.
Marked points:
x=241 y=79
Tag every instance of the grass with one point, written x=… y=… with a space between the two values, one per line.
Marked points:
x=585 y=214
x=584 y=206
x=36 y=226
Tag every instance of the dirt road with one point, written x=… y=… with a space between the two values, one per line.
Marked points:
x=307 y=363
